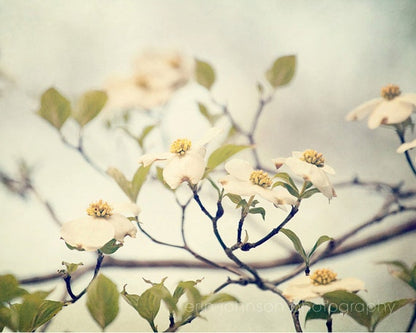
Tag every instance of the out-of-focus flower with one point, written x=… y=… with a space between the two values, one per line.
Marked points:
x=406 y=146
x=156 y=76
x=185 y=160
x=320 y=282
x=103 y=224
x=312 y=167
x=391 y=108
x=244 y=180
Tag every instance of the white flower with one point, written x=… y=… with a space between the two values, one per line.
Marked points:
x=320 y=282
x=311 y=166
x=244 y=180
x=185 y=160
x=102 y=224
x=407 y=146
x=391 y=108
x=156 y=76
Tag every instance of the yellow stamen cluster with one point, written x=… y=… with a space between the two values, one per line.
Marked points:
x=323 y=276
x=261 y=178
x=391 y=91
x=142 y=82
x=180 y=146
x=313 y=157
x=99 y=209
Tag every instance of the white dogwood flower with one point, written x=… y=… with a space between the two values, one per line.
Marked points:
x=312 y=167
x=185 y=160
x=156 y=76
x=320 y=282
x=243 y=180
x=103 y=224
x=390 y=108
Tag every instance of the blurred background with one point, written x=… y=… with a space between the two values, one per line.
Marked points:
x=346 y=51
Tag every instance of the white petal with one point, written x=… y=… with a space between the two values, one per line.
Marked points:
x=300 y=289
x=210 y=135
x=88 y=233
x=319 y=178
x=328 y=169
x=390 y=112
x=190 y=167
x=348 y=284
x=279 y=196
x=122 y=227
x=299 y=167
x=408 y=98
x=126 y=208
x=363 y=110
x=240 y=169
x=406 y=146
x=236 y=186
x=148 y=159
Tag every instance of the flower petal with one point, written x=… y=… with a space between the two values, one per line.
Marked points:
x=239 y=169
x=279 y=196
x=190 y=167
x=126 y=208
x=390 y=112
x=408 y=98
x=363 y=110
x=236 y=186
x=319 y=178
x=122 y=227
x=148 y=159
x=348 y=284
x=210 y=135
x=406 y=146
x=88 y=233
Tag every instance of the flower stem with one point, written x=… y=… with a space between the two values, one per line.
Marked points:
x=329 y=324
x=412 y=320
x=406 y=153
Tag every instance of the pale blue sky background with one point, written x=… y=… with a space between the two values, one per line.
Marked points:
x=346 y=51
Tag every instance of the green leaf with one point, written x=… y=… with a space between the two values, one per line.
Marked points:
x=46 y=311
x=181 y=288
x=138 y=180
x=89 y=106
x=146 y=131
x=148 y=305
x=282 y=71
x=110 y=247
x=292 y=190
x=296 y=242
x=54 y=107
x=71 y=267
x=403 y=272
x=122 y=182
x=102 y=300
x=317 y=311
x=204 y=74
x=6 y=319
x=212 y=118
x=9 y=288
x=222 y=154
x=381 y=311
x=287 y=179
x=131 y=299
x=350 y=304
x=309 y=193
x=219 y=298
x=234 y=198
x=318 y=243
x=258 y=210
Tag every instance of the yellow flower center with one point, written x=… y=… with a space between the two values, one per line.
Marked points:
x=323 y=276
x=261 y=178
x=180 y=146
x=391 y=91
x=99 y=209
x=313 y=157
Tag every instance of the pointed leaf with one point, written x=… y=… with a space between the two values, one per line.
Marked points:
x=282 y=71
x=46 y=311
x=131 y=299
x=54 y=107
x=212 y=118
x=89 y=106
x=181 y=288
x=71 y=267
x=110 y=247
x=138 y=180
x=296 y=242
x=219 y=298
x=146 y=131
x=9 y=288
x=350 y=304
x=381 y=311
x=222 y=154
x=148 y=306
x=102 y=300
x=258 y=210
x=122 y=182
x=309 y=193
x=204 y=74
x=234 y=198
x=317 y=311
x=318 y=243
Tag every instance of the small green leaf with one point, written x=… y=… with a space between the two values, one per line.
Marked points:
x=9 y=288
x=309 y=193
x=234 y=198
x=54 y=107
x=148 y=306
x=292 y=190
x=181 y=288
x=46 y=311
x=204 y=74
x=296 y=242
x=219 y=298
x=102 y=300
x=146 y=131
x=71 y=267
x=282 y=71
x=258 y=210
x=212 y=118
x=138 y=180
x=222 y=154
x=350 y=304
x=317 y=311
x=381 y=311
x=89 y=106
x=110 y=247
x=122 y=182
x=131 y=299
x=287 y=179
x=319 y=242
